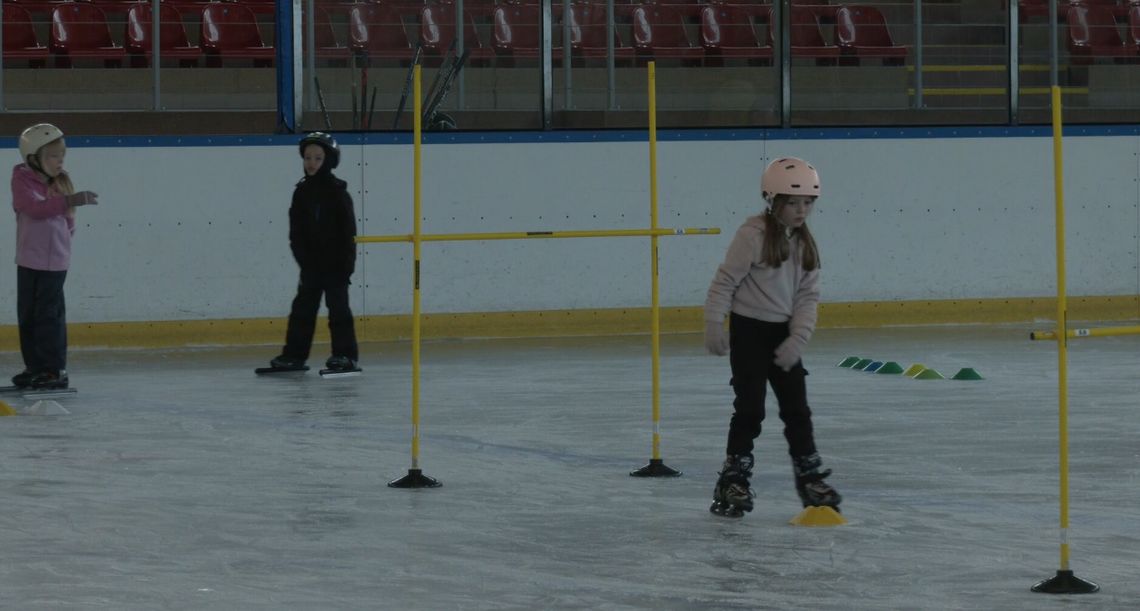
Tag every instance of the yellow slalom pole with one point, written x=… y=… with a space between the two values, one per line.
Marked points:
x=1089 y=332
x=1064 y=582
x=656 y=467
x=539 y=235
x=415 y=477
x=1062 y=324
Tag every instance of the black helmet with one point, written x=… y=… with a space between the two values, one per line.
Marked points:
x=325 y=141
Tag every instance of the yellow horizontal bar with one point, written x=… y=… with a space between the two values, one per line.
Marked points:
x=997 y=91
x=537 y=235
x=983 y=68
x=1090 y=332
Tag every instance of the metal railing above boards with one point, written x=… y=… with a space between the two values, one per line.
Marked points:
x=547 y=64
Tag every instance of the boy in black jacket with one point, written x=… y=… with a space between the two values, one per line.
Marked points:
x=322 y=228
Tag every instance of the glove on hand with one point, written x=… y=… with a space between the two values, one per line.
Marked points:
x=716 y=338
x=788 y=352
x=82 y=198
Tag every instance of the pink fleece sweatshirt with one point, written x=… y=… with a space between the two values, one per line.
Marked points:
x=43 y=227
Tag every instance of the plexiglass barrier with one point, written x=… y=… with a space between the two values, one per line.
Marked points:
x=537 y=64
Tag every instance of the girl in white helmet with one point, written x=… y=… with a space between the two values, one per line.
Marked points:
x=44 y=201
x=768 y=288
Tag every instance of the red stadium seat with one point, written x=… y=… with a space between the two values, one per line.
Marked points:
x=259 y=7
x=437 y=30
x=1133 y=27
x=1093 y=33
x=20 y=37
x=588 y=33
x=229 y=31
x=173 y=43
x=659 y=32
x=328 y=46
x=377 y=31
x=727 y=31
x=79 y=31
x=861 y=31
x=806 y=35
x=516 y=31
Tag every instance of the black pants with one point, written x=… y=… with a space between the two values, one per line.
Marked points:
x=753 y=344
x=42 y=318
x=303 y=320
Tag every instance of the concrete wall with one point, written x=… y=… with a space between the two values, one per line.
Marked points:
x=196 y=228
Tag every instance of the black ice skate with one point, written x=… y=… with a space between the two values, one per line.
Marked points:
x=283 y=364
x=23 y=379
x=49 y=380
x=813 y=491
x=732 y=497
x=339 y=366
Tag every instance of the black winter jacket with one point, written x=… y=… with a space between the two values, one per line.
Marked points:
x=322 y=225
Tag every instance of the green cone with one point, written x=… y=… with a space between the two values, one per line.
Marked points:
x=929 y=374
x=848 y=362
x=890 y=367
x=967 y=373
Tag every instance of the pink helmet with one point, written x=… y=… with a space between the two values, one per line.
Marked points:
x=789 y=176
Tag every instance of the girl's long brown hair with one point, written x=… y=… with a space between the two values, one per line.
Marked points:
x=62 y=182
x=776 y=248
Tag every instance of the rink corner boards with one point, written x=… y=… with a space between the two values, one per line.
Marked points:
x=585 y=322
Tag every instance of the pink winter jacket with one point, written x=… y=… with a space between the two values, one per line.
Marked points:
x=43 y=227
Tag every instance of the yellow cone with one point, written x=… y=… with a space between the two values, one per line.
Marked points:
x=6 y=410
x=818 y=516
x=914 y=370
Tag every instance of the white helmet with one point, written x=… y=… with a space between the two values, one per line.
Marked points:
x=33 y=138
x=789 y=176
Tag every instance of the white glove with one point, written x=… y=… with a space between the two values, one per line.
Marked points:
x=716 y=338
x=788 y=352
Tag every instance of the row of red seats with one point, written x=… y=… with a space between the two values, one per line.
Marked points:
x=79 y=29
x=658 y=30
x=1093 y=33
x=1031 y=9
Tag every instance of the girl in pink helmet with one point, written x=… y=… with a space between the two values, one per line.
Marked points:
x=768 y=288
x=44 y=201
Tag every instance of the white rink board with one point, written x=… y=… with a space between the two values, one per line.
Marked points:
x=200 y=232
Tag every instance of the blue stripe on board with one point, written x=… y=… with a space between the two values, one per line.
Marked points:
x=624 y=135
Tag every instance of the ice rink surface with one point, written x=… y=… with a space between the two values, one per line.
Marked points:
x=179 y=480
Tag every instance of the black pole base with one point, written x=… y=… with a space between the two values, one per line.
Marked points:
x=414 y=479
x=1065 y=583
x=655 y=468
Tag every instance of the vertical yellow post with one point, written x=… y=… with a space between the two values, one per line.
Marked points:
x=1064 y=582
x=417 y=176
x=1062 y=323
x=656 y=467
x=655 y=313
x=415 y=477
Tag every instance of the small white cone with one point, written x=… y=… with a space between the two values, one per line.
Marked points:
x=46 y=407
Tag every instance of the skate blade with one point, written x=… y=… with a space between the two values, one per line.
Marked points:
x=330 y=374
x=48 y=393
x=270 y=370
x=725 y=510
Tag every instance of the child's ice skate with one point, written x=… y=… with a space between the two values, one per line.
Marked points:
x=283 y=364
x=813 y=491
x=732 y=497
x=49 y=380
x=340 y=366
x=23 y=379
